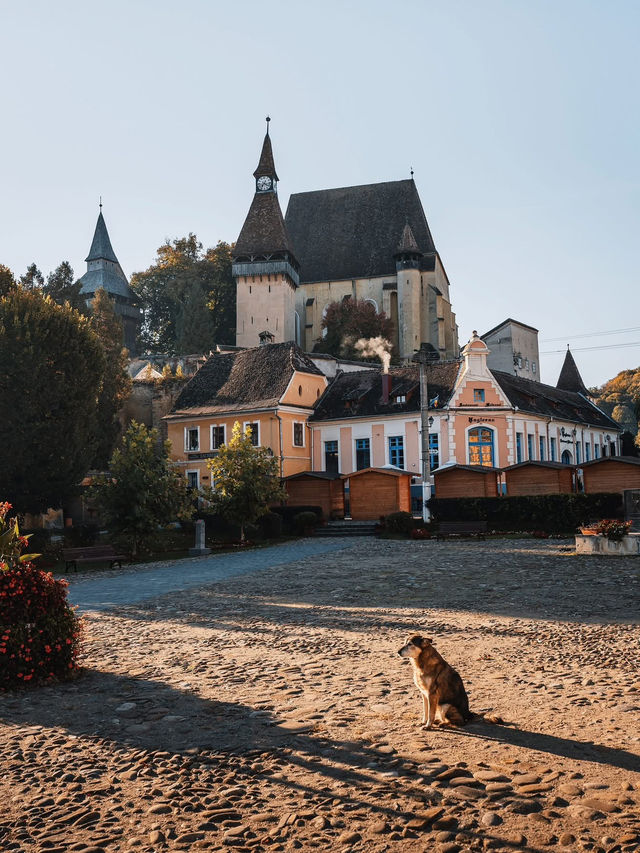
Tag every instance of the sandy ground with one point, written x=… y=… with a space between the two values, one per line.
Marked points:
x=271 y=712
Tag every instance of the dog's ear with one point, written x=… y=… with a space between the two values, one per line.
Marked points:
x=428 y=640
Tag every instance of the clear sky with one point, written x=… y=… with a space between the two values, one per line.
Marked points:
x=521 y=120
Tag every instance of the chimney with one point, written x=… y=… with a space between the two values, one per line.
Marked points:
x=386 y=387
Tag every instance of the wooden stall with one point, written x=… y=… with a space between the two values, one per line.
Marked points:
x=378 y=491
x=611 y=474
x=466 y=481
x=539 y=478
x=317 y=488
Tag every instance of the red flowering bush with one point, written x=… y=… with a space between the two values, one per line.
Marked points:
x=613 y=528
x=39 y=632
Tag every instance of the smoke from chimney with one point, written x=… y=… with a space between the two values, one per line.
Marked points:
x=376 y=347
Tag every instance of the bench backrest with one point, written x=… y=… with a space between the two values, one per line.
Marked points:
x=88 y=551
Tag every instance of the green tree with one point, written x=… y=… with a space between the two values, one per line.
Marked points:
x=348 y=321
x=164 y=288
x=32 y=279
x=61 y=286
x=143 y=489
x=52 y=367
x=245 y=480
x=116 y=383
x=194 y=324
x=7 y=280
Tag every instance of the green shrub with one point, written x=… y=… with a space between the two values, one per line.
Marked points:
x=288 y=514
x=39 y=632
x=399 y=522
x=270 y=525
x=304 y=520
x=544 y=513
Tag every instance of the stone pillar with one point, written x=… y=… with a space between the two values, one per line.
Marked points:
x=200 y=549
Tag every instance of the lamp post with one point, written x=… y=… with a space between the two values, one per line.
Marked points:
x=425 y=355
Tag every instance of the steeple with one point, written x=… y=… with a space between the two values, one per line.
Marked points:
x=101 y=245
x=266 y=167
x=570 y=379
x=264 y=265
x=104 y=271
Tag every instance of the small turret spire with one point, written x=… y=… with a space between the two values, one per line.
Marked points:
x=268 y=119
x=100 y=205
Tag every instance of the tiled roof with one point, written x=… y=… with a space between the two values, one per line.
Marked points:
x=539 y=399
x=359 y=394
x=407 y=241
x=266 y=166
x=264 y=232
x=353 y=232
x=101 y=244
x=570 y=379
x=236 y=381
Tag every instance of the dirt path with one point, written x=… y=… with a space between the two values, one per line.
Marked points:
x=271 y=712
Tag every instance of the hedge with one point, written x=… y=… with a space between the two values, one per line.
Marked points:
x=548 y=513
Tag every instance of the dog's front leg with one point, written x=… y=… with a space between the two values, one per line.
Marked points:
x=430 y=706
x=425 y=709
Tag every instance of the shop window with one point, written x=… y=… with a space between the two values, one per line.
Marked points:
x=396 y=451
x=363 y=454
x=192 y=439
x=217 y=437
x=331 y=457
x=481 y=446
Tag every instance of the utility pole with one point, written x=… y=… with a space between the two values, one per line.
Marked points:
x=427 y=354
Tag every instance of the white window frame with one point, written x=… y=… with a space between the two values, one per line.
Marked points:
x=248 y=424
x=195 y=471
x=293 y=434
x=187 y=430
x=211 y=429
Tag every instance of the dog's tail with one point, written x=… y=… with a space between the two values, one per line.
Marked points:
x=488 y=717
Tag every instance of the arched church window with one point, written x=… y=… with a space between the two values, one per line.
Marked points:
x=480 y=441
x=374 y=303
x=566 y=457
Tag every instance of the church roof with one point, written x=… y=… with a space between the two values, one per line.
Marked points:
x=570 y=379
x=352 y=232
x=266 y=166
x=101 y=246
x=539 y=399
x=264 y=231
x=243 y=380
x=359 y=394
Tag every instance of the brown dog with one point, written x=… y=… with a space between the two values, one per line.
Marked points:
x=444 y=698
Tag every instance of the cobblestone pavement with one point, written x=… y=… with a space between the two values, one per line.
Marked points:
x=270 y=711
x=131 y=584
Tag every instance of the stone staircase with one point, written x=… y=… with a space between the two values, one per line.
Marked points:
x=347 y=528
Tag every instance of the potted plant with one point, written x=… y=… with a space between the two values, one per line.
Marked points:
x=614 y=529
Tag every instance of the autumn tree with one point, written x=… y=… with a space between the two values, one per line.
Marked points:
x=143 y=489
x=349 y=320
x=620 y=398
x=245 y=480
x=171 y=287
x=61 y=286
x=52 y=368
x=7 y=280
x=116 y=383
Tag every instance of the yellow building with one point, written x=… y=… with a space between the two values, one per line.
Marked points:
x=369 y=242
x=271 y=388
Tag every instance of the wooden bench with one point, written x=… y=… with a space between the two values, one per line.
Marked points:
x=91 y=554
x=461 y=528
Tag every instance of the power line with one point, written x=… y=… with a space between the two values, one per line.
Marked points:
x=583 y=349
x=591 y=335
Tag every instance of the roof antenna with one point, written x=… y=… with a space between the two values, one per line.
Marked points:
x=268 y=120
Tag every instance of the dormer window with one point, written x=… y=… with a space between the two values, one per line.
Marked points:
x=400 y=398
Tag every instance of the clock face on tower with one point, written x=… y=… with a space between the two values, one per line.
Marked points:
x=264 y=183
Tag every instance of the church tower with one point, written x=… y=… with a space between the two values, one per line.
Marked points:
x=264 y=265
x=104 y=271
